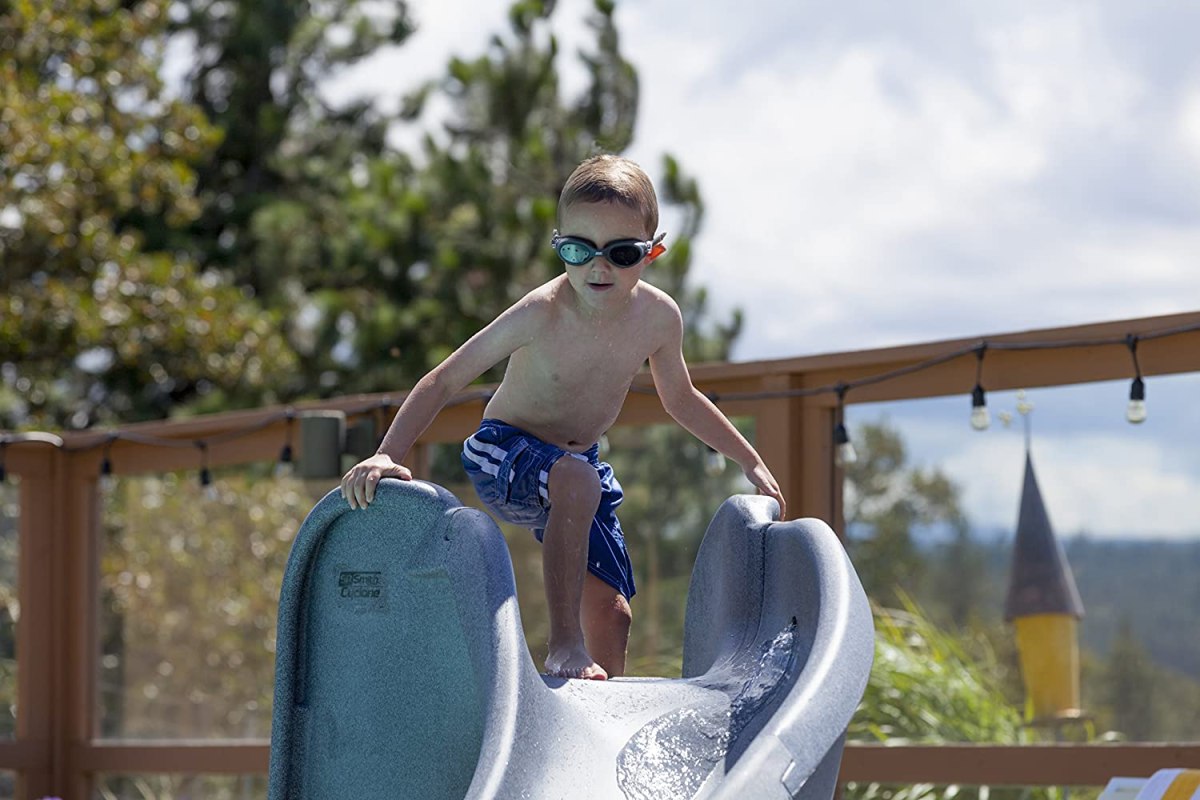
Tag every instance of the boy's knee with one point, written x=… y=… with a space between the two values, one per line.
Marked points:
x=619 y=614
x=608 y=613
x=574 y=482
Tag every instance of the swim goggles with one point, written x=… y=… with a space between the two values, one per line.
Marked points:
x=623 y=253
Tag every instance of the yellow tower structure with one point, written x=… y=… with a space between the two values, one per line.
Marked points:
x=1044 y=606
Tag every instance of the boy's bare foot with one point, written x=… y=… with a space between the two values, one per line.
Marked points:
x=573 y=662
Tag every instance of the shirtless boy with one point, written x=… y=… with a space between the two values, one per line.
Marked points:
x=573 y=346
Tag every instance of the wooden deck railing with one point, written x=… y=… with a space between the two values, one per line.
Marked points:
x=793 y=401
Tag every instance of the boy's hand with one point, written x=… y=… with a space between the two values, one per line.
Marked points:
x=766 y=484
x=358 y=485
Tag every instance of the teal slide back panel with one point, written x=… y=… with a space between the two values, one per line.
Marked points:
x=383 y=669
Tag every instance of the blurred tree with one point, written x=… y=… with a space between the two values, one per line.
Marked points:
x=95 y=325
x=255 y=71
x=887 y=502
x=401 y=259
x=299 y=217
x=189 y=588
x=1131 y=689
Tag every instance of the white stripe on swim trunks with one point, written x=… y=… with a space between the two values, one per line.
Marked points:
x=488 y=449
x=486 y=465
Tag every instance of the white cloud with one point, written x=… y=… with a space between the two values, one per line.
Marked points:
x=1106 y=486
x=865 y=189
x=1188 y=125
x=444 y=28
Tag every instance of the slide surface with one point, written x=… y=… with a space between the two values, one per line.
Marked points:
x=402 y=670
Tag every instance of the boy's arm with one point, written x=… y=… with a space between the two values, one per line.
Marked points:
x=696 y=413
x=497 y=341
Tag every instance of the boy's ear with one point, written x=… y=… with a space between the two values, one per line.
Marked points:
x=655 y=252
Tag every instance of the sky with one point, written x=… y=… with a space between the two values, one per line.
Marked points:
x=878 y=174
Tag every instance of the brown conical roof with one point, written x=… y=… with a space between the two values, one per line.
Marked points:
x=1041 y=581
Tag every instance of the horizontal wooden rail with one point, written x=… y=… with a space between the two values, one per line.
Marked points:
x=25 y=754
x=1011 y=765
x=192 y=757
x=973 y=764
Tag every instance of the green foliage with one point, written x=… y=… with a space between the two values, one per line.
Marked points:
x=189 y=588
x=931 y=686
x=927 y=686
x=255 y=74
x=887 y=502
x=424 y=251
x=94 y=325
x=132 y=220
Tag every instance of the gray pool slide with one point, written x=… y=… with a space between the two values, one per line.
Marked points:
x=402 y=670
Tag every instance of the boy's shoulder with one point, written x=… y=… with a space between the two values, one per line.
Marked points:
x=661 y=305
x=540 y=299
x=657 y=297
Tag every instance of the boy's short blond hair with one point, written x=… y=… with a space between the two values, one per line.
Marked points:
x=612 y=179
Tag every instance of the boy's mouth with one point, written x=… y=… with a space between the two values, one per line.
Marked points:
x=600 y=287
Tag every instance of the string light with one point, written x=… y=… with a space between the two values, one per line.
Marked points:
x=206 y=481
x=1135 y=412
x=285 y=467
x=980 y=418
x=107 y=481
x=843 y=452
x=714 y=462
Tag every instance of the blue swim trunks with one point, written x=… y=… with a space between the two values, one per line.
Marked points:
x=510 y=469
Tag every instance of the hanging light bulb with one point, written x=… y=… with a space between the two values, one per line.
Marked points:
x=844 y=452
x=843 y=449
x=1135 y=412
x=714 y=462
x=980 y=418
x=285 y=467
x=108 y=481
x=206 y=483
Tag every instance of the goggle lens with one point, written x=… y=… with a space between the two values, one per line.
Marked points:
x=625 y=255
x=575 y=253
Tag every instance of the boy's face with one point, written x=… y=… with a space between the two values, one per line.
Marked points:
x=598 y=283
